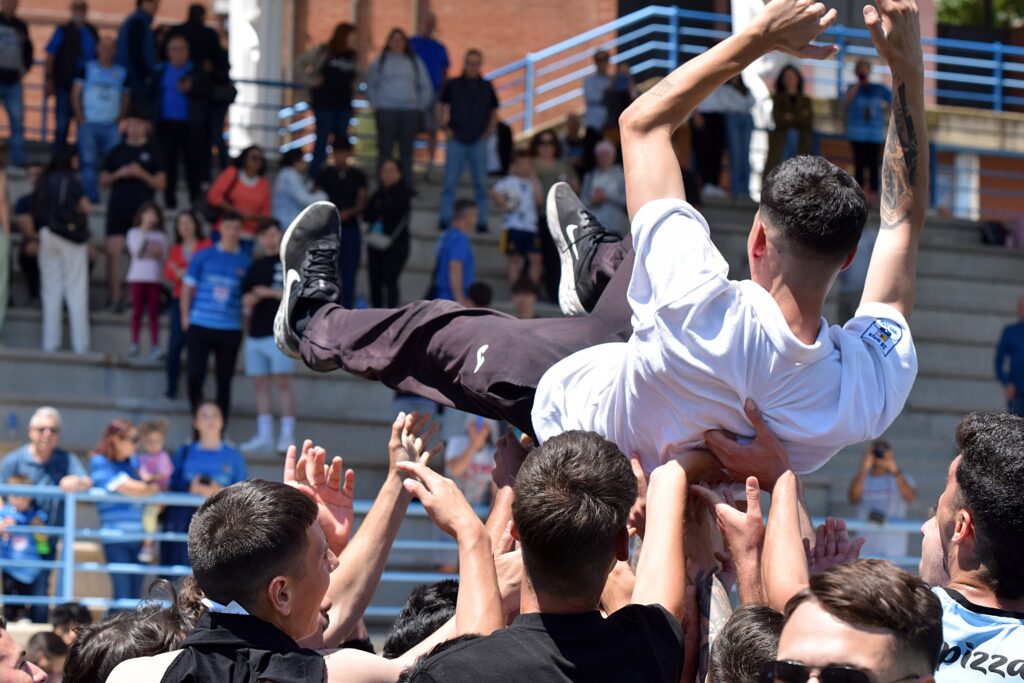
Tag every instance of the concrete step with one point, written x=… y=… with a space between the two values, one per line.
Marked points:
x=962 y=396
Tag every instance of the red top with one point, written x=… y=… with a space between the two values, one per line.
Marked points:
x=247 y=199
x=176 y=264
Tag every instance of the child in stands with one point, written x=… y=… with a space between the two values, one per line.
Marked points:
x=21 y=511
x=154 y=465
x=147 y=246
x=518 y=194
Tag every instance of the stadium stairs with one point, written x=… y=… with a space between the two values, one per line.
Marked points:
x=966 y=293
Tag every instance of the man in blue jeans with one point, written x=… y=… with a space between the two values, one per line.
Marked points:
x=15 y=61
x=71 y=47
x=469 y=115
x=100 y=99
x=1011 y=347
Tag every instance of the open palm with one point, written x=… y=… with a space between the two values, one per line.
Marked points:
x=331 y=487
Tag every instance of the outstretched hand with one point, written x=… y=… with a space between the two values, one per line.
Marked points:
x=441 y=498
x=743 y=531
x=896 y=32
x=791 y=25
x=410 y=435
x=331 y=490
x=764 y=457
x=508 y=458
x=832 y=546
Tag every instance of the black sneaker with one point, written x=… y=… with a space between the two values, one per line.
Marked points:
x=310 y=250
x=577 y=234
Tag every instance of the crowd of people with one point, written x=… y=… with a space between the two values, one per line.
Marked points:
x=606 y=444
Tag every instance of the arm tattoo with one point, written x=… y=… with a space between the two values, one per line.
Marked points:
x=899 y=164
x=662 y=87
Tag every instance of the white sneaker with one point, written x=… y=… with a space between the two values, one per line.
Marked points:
x=133 y=351
x=257 y=444
x=714 y=192
x=284 y=442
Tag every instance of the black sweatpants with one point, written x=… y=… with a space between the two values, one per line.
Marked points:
x=224 y=345
x=473 y=359
x=383 y=268
x=181 y=140
x=867 y=157
x=708 y=146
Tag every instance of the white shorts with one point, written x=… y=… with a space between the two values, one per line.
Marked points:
x=262 y=358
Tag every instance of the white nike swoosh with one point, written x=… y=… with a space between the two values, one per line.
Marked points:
x=571 y=231
x=480 y=357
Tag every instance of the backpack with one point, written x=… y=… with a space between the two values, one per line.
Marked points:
x=11 y=41
x=58 y=208
x=65 y=62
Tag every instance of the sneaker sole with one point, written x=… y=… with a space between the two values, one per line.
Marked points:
x=568 y=299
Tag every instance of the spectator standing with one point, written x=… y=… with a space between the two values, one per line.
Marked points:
x=265 y=364
x=387 y=245
x=155 y=467
x=434 y=55
x=604 y=190
x=551 y=168
x=333 y=72
x=518 y=195
x=573 y=142
x=882 y=491
x=291 y=188
x=708 y=125
x=112 y=469
x=15 y=61
x=346 y=188
x=202 y=467
x=179 y=91
x=469 y=458
x=399 y=89
x=242 y=188
x=136 y=49
x=1011 y=349
x=189 y=241
x=147 y=246
x=134 y=171
x=737 y=101
x=620 y=94
x=46 y=465
x=867 y=107
x=60 y=211
x=595 y=116
x=21 y=510
x=793 y=116
x=524 y=298
x=5 y=240
x=456 y=264
x=100 y=101
x=204 y=46
x=72 y=45
x=28 y=255
x=469 y=114
x=211 y=312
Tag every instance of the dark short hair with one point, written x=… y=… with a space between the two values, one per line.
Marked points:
x=877 y=594
x=463 y=205
x=70 y=614
x=815 y=206
x=550 y=134
x=45 y=643
x=747 y=642
x=197 y=13
x=475 y=52
x=291 y=157
x=987 y=480
x=343 y=144
x=245 y=535
x=429 y=607
x=230 y=215
x=481 y=294
x=572 y=498
x=267 y=224
x=524 y=285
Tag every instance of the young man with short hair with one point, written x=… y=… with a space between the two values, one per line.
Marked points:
x=99 y=98
x=456 y=263
x=696 y=345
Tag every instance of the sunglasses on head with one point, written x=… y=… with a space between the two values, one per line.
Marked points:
x=795 y=672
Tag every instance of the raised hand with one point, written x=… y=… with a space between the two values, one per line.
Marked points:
x=764 y=457
x=791 y=25
x=896 y=32
x=331 y=490
x=743 y=531
x=637 y=520
x=832 y=546
x=508 y=458
x=410 y=436
x=441 y=498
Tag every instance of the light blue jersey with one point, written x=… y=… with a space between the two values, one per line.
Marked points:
x=978 y=643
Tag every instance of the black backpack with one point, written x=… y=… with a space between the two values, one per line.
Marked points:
x=65 y=62
x=56 y=207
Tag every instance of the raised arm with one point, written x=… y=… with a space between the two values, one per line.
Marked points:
x=896 y=32
x=652 y=170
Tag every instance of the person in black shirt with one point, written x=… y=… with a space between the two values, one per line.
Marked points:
x=133 y=171
x=346 y=188
x=264 y=362
x=469 y=115
x=28 y=255
x=334 y=75
x=572 y=500
x=15 y=61
x=388 y=247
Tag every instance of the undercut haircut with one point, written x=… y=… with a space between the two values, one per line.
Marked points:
x=463 y=206
x=815 y=206
x=572 y=498
x=428 y=608
x=988 y=481
x=876 y=594
x=748 y=641
x=245 y=535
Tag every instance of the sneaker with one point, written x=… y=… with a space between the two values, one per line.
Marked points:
x=133 y=351
x=284 y=442
x=258 y=444
x=156 y=353
x=714 y=192
x=577 y=234
x=146 y=555
x=310 y=251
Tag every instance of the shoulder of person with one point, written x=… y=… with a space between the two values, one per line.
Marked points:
x=143 y=668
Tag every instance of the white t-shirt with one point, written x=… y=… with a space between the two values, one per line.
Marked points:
x=521 y=205
x=882 y=495
x=978 y=643
x=703 y=344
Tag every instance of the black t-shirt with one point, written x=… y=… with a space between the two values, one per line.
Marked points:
x=128 y=194
x=338 y=72
x=267 y=272
x=636 y=644
x=342 y=187
x=472 y=101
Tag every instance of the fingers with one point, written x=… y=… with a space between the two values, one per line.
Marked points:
x=855 y=547
x=873 y=21
x=334 y=474
x=415 y=487
x=753 y=497
x=421 y=472
x=397 y=426
x=819 y=542
x=289 y=464
x=431 y=454
x=842 y=538
x=830 y=536
x=755 y=416
x=709 y=497
x=722 y=444
x=819 y=51
x=349 y=487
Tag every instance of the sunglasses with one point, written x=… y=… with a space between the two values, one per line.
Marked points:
x=795 y=672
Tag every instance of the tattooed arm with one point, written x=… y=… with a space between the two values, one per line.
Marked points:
x=896 y=32
x=652 y=170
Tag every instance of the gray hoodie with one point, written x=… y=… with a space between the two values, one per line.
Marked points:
x=398 y=82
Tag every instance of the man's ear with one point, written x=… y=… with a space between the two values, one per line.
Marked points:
x=622 y=545
x=963 y=528
x=281 y=595
x=759 y=242
x=849 y=260
x=514 y=531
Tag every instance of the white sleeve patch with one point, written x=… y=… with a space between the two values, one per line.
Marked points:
x=885 y=334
